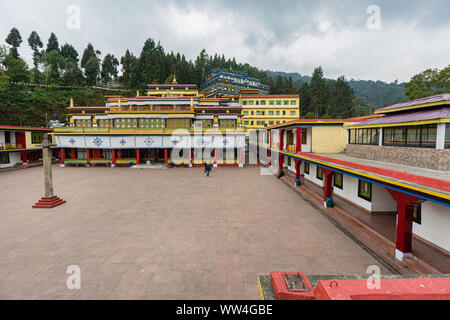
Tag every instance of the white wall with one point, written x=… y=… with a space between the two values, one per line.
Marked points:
x=312 y=175
x=435 y=225
x=382 y=201
x=14 y=158
x=350 y=192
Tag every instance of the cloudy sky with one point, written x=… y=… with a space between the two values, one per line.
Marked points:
x=291 y=36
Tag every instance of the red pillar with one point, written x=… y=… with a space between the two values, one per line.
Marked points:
x=297 y=169
x=72 y=154
x=214 y=156
x=63 y=157
x=404 y=222
x=166 y=156
x=298 y=142
x=113 y=157
x=270 y=146
x=240 y=155
x=138 y=156
x=281 y=157
x=190 y=157
x=88 y=156
x=25 y=158
x=328 y=188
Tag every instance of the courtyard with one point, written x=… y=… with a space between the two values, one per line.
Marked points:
x=162 y=234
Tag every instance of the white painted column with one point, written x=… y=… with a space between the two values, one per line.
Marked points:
x=440 y=136
x=380 y=142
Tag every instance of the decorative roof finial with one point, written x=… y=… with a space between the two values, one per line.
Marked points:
x=71 y=101
x=174 y=79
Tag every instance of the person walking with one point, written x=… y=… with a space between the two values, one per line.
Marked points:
x=208 y=169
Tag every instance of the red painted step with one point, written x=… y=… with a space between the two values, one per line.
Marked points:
x=49 y=203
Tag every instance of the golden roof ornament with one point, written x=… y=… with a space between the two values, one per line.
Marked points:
x=174 y=79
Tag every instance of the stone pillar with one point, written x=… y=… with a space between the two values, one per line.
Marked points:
x=49 y=200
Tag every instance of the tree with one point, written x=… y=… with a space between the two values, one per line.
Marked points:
x=35 y=43
x=52 y=44
x=16 y=68
x=88 y=54
x=319 y=93
x=305 y=100
x=109 y=68
x=69 y=52
x=428 y=83
x=14 y=39
x=309 y=115
x=342 y=100
x=54 y=64
x=92 y=71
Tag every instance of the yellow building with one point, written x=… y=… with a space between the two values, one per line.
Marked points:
x=261 y=111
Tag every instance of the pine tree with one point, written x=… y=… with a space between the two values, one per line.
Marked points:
x=319 y=93
x=14 y=39
x=35 y=43
x=52 y=44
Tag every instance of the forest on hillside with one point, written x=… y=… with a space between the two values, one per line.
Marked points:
x=30 y=95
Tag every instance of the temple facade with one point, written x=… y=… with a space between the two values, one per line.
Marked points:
x=172 y=124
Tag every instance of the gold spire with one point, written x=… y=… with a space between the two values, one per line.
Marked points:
x=174 y=79
x=71 y=101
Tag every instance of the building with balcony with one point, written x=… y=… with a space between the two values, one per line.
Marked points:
x=223 y=82
x=19 y=145
x=172 y=124
x=388 y=173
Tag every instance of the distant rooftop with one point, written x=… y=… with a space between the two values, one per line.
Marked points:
x=418 y=103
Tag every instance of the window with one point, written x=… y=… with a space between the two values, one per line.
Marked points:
x=304 y=137
x=246 y=123
x=306 y=167
x=286 y=102
x=253 y=122
x=263 y=113
x=365 y=190
x=414 y=136
x=37 y=137
x=271 y=102
x=228 y=123
x=319 y=173
x=253 y=113
x=177 y=123
x=257 y=102
x=293 y=113
x=245 y=113
x=278 y=113
x=278 y=122
x=244 y=103
x=284 y=113
x=271 y=113
x=338 y=180
x=251 y=103
x=271 y=123
x=365 y=136
x=278 y=102
x=293 y=103
x=263 y=103
x=4 y=158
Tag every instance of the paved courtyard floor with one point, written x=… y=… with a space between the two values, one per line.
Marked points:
x=162 y=234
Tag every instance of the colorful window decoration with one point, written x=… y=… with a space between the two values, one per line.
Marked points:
x=416 y=209
x=178 y=123
x=306 y=167
x=339 y=180
x=319 y=173
x=228 y=123
x=365 y=190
